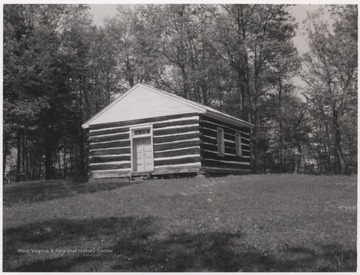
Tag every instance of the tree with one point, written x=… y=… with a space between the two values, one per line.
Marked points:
x=46 y=76
x=134 y=47
x=331 y=77
x=59 y=70
x=255 y=42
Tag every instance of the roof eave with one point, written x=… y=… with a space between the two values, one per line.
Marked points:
x=230 y=119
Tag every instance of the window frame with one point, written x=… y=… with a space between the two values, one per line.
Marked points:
x=141 y=127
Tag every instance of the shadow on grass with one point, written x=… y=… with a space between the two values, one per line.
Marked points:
x=37 y=191
x=135 y=246
x=68 y=234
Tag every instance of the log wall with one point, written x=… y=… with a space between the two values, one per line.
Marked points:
x=176 y=142
x=229 y=163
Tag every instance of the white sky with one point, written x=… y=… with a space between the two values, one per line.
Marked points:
x=100 y=12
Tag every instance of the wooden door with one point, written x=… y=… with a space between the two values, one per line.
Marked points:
x=142 y=155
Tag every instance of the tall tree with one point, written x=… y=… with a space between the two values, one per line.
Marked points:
x=331 y=77
x=255 y=42
x=134 y=47
x=44 y=61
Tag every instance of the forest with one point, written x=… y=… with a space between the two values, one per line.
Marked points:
x=60 y=69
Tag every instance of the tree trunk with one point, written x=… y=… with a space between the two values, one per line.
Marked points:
x=48 y=159
x=204 y=93
x=339 y=164
x=82 y=157
x=24 y=157
x=254 y=164
x=18 y=160
x=64 y=161
x=186 y=91
x=281 y=138
x=5 y=150
x=59 y=163
x=40 y=154
x=241 y=92
x=298 y=160
x=327 y=150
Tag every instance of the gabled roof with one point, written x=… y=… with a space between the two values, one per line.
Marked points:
x=190 y=105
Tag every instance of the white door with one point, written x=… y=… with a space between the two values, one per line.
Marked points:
x=142 y=155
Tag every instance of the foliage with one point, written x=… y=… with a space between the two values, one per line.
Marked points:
x=331 y=77
x=59 y=70
x=52 y=68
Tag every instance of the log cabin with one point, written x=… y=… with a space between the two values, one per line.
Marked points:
x=150 y=132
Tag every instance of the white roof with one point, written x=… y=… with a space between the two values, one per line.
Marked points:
x=144 y=101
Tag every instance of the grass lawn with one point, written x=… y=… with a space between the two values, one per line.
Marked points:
x=234 y=223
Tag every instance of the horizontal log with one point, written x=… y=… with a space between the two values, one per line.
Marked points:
x=210 y=147
x=111 y=174
x=102 y=159
x=171 y=131
x=110 y=166
x=230 y=145
x=216 y=163
x=123 y=143
x=213 y=121
x=213 y=147
x=138 y=121
x=175 y=138
x=177 y=157
x=228 y=150
x=211 y=155
x=244 y=153
x=185 y=151
x=176 y=170
x=214 y=141
x=158 y=129
x=207 y=132
x=109 y=131
x=230 y=131
x=227 y=136
x=221 y=170
x=177 y=161
x=109 y=138
x=245 y=146
x=175 y=123
x=182 y=144
x=209 y=140
x=119 y=151
x=227 y=129
x=213 y=134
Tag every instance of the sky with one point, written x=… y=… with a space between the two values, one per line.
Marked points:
x=100 y=12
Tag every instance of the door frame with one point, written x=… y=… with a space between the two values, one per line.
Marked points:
x=133 y=136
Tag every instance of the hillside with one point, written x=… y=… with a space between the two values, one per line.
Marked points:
x=234 y=223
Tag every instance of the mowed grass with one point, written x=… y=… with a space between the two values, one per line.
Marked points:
x=233 y=223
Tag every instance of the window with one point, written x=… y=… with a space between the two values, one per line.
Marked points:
x=220 y=141
x=238 y=144
x=141 y=131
